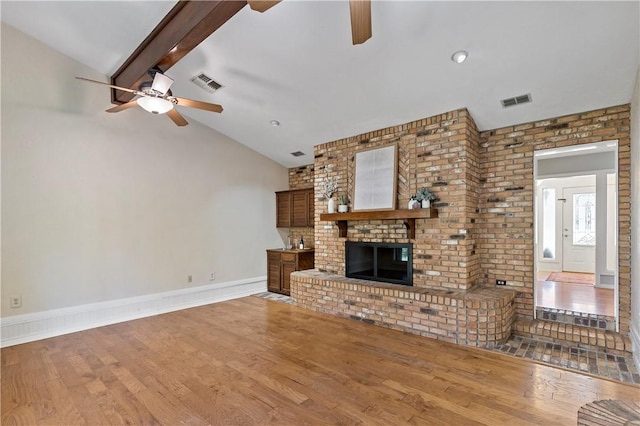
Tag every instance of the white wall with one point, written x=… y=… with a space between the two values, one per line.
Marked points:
x=635 y=221
x=98 y=206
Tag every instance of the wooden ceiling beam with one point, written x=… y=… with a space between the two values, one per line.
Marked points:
x=185 y=27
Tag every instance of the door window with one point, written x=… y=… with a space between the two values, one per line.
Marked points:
x=584 y=219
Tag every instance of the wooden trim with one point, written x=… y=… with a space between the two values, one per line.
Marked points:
x=382 y=214
x=180 y=31
x=408 y=216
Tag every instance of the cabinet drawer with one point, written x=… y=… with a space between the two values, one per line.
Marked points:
x=288 y=257
x=273 y=257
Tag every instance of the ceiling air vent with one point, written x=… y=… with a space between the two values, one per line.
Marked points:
x=297 y=153
x=522 y=99
x=205 y=82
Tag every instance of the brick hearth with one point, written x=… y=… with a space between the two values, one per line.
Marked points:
x=480 y=317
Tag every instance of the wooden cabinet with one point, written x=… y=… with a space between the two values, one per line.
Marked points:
x=283 y=209
x=295 y=208
x=280 y=265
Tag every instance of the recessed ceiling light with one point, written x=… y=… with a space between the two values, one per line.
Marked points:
x=274 y=123
x=460 y=56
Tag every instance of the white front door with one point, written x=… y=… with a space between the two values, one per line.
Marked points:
x=579 y=229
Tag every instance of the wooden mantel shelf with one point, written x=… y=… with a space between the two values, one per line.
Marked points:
x=407 y=216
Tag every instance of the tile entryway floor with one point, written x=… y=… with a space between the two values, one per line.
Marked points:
x=573 y=358
x=582 y=360
x=274 y=296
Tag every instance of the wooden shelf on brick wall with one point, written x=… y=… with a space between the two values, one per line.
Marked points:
x=407 y=216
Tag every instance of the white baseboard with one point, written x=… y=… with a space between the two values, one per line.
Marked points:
x=634 y=334
x=42 y=325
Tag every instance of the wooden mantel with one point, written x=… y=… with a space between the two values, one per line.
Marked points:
x=407 y=216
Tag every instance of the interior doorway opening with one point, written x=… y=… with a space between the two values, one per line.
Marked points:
x=576 y=227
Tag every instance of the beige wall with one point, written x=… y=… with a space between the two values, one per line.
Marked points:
x=99 y=206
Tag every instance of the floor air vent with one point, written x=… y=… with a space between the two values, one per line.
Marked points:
x=522 y=99
x=205 y=82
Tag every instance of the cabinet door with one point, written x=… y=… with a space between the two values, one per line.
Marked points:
x=287 y=268
x=283 y=209
x=273 y=273
x=311 y=206
x=299 y=209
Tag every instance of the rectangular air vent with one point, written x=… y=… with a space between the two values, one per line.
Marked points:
x=297 y=153
x=205 y=82
x=522 y=99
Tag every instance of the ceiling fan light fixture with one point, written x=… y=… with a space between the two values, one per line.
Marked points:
x=460 y=56
x=155 y=105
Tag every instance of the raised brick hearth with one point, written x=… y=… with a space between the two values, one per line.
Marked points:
x=480 y=317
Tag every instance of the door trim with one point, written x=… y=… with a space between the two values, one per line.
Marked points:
x=581 y=168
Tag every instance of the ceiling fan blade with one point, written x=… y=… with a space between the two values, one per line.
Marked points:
x=161 y=83
x=198 y=104
x=177 y=118
x=360 y=20
x=262 y=5
x=124 y=106
x=124 y=89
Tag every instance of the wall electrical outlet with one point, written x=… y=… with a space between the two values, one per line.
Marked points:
x=15 y=301
x=189 y=278
x=501 y=282
x=212 y=276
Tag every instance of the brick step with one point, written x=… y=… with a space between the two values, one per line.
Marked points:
x=574 y=335
x=600 y=322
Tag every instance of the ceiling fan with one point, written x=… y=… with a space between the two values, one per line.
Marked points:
x=360 y=16
x=156 y=98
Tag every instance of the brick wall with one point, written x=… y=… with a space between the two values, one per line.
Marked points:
x=484 y=183
x=301 y=177
x=441 y=153
x=505 y=231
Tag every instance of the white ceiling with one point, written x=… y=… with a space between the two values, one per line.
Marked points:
x=296 y=64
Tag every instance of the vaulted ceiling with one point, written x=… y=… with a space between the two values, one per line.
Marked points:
x=296 y=64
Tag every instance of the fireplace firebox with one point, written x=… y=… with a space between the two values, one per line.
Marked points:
x=386 y=262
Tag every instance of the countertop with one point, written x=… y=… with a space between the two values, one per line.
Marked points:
x=292 y=250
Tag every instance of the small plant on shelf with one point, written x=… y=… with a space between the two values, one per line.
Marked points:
x=424 y=194
x=422 y=198
x=343 y=203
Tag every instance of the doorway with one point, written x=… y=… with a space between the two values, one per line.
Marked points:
x=576 y=231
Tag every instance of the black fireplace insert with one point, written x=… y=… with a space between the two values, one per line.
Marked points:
x=386 y=262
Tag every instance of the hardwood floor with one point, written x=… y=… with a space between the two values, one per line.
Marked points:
x=574 y=297
x=253 y=361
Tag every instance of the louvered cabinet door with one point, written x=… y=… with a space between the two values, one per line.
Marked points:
x=273 y=272
x=299 y=209
x=283 y=209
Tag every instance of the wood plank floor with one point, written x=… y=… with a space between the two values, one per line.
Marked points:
x=253 y=361
x=575 y=297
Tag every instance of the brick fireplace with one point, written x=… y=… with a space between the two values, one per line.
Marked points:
x=484 y=228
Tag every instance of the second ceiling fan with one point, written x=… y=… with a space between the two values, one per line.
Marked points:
x=360 y=16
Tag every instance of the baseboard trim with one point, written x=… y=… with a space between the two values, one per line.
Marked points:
x=634 y=335
x=42 y=325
